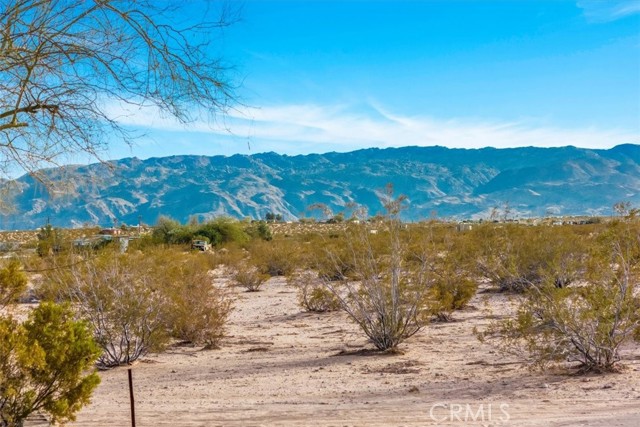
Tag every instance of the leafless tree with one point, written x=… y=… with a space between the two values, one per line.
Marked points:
x=65 y=63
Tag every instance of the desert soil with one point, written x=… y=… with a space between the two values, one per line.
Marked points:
x=280 y=366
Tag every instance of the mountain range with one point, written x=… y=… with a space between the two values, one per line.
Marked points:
x=447 y=183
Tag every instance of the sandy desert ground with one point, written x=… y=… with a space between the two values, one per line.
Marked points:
x=284 y=367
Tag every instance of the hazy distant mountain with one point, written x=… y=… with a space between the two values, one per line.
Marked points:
x=452 y=183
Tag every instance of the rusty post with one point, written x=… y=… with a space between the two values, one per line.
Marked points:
x=133 y=410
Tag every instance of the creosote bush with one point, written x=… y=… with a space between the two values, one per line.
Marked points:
x=446 y=255
x=588 y=321
x=249 y=277
x=312 y=294
x=260 y=230
x=117 y=295
x=230 y=255
x=335 y=268
x=385 y=295
x=275 y=258
x=137 y=302
x=514 y=257
x=196 y=310
x=49 y=241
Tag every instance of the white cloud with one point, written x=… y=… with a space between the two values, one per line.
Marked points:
x=600 y=11
x=342 y=126
x=304 y=128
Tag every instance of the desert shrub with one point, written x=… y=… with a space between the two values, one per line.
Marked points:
x=448 y=258
x=50 y=241
x=249 y=277
x=13 y=282
x=52 y=285
x=452 y=286
x=513 y=257
x=195 y=310
x=312 y=294
x=339 y=266
x=223 y=230
x=387 y=297
x=45 y=365
x=230 y=255
x=588 y=321
x=117 y=296
x=164 y=229
x=260 y=230
x=505 y=256
x=182 y=235
x=143 y=242
x=136 y=302
x=450 y=292
x=276 y=258
x=217 y=231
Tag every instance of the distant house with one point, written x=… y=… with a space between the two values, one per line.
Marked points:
x=110 y=232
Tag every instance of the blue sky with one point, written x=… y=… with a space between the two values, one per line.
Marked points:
x=322 y=76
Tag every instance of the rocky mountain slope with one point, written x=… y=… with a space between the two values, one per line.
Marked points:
x=450 y=183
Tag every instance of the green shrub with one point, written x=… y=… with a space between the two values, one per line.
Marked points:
x=45 y=366
x=446 y=255
x=275 y=258
x=387 y=297
x=249 y=277
x=195 y=310
x=13 y=282
x=182 y=235
x=223 y=230
x=230 y=255
x=164 y=229
x=50 y=241
x=117 y=295
x=335 y=267
x=588 y=321
x=136 y=302
x=260 y=230
x=515 y=257
x=312 y=294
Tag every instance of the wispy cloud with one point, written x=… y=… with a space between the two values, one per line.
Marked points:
x=342 y=126
x=304 y=128
x=599 y=11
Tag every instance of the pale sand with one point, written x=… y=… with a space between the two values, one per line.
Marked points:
x=279 y=367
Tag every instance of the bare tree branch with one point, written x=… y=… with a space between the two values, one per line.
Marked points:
x=64 y=62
